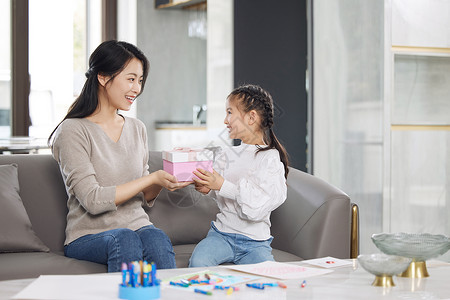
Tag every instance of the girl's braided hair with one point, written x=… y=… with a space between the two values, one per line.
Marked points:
x=253 y=97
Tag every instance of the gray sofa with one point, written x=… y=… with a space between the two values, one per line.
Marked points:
x=315 y=221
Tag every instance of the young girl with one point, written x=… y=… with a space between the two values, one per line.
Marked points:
x=249 y=184
x=103 y=157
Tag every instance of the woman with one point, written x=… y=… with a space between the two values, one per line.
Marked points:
x=103 y=160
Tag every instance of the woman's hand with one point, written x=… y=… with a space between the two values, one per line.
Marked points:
x=212 y=181
x=169 y=181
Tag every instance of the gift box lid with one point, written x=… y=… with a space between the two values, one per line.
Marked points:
x=187 y=154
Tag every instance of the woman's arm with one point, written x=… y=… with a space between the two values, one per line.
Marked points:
x=150 y=185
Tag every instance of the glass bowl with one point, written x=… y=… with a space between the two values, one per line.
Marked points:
x=418 y=246
x=384 y=266
x=381 y=264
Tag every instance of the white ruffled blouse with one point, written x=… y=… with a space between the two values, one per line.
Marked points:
x=254 y=186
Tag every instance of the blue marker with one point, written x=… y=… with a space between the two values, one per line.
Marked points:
x=270 y=284
x=131 y=271
x=124 y=274
x=153 y=274
x=256 y=286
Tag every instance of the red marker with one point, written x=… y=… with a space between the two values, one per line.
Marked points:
x=193 y=277
x=303 y=284
x=330 y=262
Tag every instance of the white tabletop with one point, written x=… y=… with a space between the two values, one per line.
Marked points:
x=348 y=282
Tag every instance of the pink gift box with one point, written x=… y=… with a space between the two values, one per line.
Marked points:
x=181 y=162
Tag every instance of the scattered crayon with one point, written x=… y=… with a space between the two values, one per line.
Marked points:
x=230 y=291
x=256 y=285
x=203 y=292
x=303 y=284
x=193 y=277
x=225 y=287
x=270 y=284
x=281 y=285
x=179 y=284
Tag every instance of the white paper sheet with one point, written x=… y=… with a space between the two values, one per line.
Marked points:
x=328 y=262
x=280 y=270
x=62 y=287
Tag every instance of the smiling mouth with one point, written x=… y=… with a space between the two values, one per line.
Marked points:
x=130 y=99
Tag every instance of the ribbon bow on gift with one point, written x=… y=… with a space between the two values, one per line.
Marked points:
x=192 y=154
x=195 y=154
x=183 y=149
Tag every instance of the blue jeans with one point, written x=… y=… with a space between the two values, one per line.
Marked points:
x=115 y=246
x=220 y=247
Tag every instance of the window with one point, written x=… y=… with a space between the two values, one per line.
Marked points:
x=59 y=48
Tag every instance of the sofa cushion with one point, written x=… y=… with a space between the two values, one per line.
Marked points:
x=16 y=232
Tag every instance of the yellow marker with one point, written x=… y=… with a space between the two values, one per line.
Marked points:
x=230 y=291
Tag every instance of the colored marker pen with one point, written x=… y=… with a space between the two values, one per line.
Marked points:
x=124 y=274
x=270 y=284
x=193 y=277
x=303 y=284
x=256 y=286
x=230 y=291
x=141 y=271
x=153 y=274
x=203 y=292
x=146 y=276
x=281 y=285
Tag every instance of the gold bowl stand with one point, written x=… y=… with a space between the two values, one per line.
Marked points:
x=384 y=281
x=416 y=269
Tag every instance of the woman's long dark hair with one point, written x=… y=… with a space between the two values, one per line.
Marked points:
x=253 y=97
x=109 y=59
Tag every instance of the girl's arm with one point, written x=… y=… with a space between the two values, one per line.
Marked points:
x=258 y=193
x=261 y=191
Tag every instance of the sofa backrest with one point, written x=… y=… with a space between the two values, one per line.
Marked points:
x=315 y=220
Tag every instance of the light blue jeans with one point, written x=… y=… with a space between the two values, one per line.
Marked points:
x=220 y=247
x=115 y=246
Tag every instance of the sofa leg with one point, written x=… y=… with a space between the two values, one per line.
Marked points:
x=354 y=234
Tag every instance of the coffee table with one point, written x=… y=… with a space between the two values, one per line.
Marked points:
x=348 y=282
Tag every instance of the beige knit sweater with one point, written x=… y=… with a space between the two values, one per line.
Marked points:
x=92 y=165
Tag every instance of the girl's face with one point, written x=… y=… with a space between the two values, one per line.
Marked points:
x=123 y=89
x=236 y=121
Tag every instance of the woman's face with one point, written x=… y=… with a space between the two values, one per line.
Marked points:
x=126 y=86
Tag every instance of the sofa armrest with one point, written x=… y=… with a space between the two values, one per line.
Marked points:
x=315 y=220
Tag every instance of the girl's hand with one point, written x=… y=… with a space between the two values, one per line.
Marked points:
x=201 y=188
x=212 y=181
x=169 y=181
